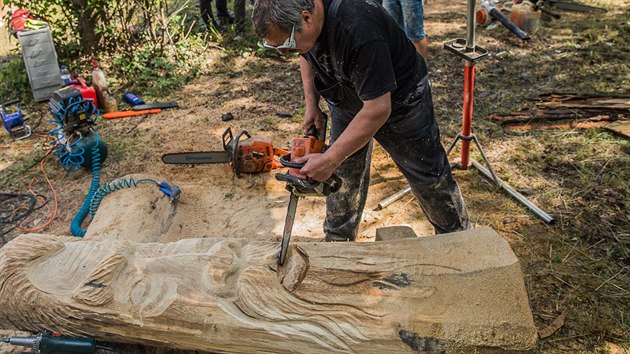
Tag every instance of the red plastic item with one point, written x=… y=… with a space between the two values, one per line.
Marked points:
x=18 y=20
x=87 y=92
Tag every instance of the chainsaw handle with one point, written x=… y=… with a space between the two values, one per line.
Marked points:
x=285 y=160
x=321 y=134
x=227 y=138
x=232 y=147
x=308 y=187
x=312 y=131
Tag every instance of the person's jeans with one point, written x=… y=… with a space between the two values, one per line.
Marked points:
x=239 y=17
x=205 y=8
x=412 y=138
x=409 y=16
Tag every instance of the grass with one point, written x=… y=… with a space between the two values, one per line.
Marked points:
x=581 y=266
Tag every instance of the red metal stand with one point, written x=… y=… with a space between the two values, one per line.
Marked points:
x=470 y=52
x=467 y=113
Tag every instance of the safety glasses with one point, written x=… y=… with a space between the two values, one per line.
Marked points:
x=287 y=46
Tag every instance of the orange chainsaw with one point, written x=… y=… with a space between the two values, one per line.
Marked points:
x=252 y=155
x=302 y=186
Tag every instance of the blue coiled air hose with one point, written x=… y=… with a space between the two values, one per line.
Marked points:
x=75 y=226
x=114 y=186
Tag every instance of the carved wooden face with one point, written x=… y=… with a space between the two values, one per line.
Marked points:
x=212 y=281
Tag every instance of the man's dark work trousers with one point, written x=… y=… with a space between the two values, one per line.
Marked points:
x=412 y=139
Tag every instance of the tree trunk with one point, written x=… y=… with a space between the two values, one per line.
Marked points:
x=87 y=21
x=454 y=291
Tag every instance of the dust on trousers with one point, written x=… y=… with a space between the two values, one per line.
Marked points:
x=412 y=138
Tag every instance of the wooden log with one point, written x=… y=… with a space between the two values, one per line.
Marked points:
x=566 y=110
x=447 y=292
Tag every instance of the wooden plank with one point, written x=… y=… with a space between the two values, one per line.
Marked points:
x=556 y=125
x=565 y=108
x=620 y=127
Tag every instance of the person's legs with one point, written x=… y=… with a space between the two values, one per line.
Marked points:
x=413 y=24
x=344 y=208
x=205 y=8
x=413 y=141
x=223 y=14
x=239 y=17
x=395 y=11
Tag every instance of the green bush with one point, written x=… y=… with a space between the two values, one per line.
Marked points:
x=83 y=27
x=154 y=71
x=149 y=46
x=14 y=81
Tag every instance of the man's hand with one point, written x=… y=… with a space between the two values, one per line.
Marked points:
x=317 y=166
x=313 y=116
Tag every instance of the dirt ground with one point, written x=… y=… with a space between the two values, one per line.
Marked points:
x=255 y=90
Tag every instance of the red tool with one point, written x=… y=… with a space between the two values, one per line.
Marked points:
x=87 y=92
x=125 y=114
x=486 y=12
x=253 y=155
x=307 y=145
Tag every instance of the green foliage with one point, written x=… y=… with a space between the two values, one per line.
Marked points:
x=14 y=81
x=149 y=46
x=153 y=71
x=85 y=27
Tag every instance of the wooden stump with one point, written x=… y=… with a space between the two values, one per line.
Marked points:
x=447 y=292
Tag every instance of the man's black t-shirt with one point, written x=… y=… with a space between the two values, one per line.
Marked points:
x=373 y=53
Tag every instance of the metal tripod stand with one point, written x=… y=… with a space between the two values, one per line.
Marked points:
x=470 y=52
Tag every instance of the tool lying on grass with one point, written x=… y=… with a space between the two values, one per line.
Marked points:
x=48 y=343
x=300 y=187
x=161 y=105
x=486 y=12
x=137 y=104
x=252 y=155
x=14 y=122
x=132 y=113
x=571 y=6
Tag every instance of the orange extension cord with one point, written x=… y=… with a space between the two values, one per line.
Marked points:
x=52 y=214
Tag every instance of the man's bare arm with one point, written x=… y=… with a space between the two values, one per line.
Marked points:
x=358 y=133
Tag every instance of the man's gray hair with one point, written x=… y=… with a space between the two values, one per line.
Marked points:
x=284 y=14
